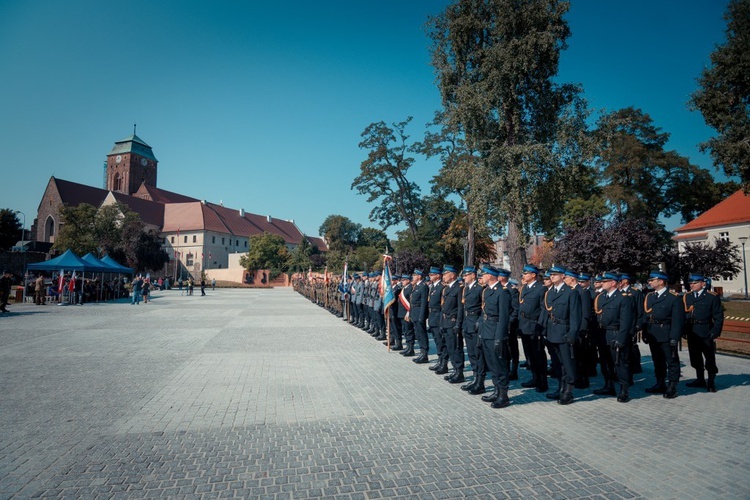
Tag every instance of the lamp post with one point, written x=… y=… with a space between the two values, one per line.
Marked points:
x=743 y=239
x=23 y=249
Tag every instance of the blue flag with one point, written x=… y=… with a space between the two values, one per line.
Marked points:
x=342 y=285
x=386 y=288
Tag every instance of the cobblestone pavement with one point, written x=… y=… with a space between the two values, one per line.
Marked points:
x=259 y=393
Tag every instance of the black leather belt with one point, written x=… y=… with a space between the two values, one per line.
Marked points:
x=490 y=317
x=698 y=321
x=659 y=321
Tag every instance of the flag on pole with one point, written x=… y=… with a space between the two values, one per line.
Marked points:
x=342 y=285
x=325 y=275
x=61 y=281
x=72 y=284
x=386 y=288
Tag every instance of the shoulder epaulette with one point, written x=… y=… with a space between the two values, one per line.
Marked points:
x=674 y=293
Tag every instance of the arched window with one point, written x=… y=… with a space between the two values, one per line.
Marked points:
x=118 y=182
x=49 y=230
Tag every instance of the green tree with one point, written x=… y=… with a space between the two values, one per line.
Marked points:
x=720 y=258
x=299 y=259
x=367 y=259
x=724 y=96
x=496 y=63
x=267 y=251
x=10 y=228
x=641 y=179
x=340 y=233
x=372 y=237
x=434 y=221
x=78 y=231
x=383 y=176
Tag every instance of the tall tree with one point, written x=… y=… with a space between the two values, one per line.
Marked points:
x=643 y=180
x=496 y=63
x=720 y=258
x=372 y=237
x=299 y=259
x=340 y=233
x=266 y=251
x=10 y=228
x=78 y=231
x=383 y=176
x=724 y=96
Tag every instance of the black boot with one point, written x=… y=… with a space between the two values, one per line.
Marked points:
x=541 y=384
x=422 y=358
x=556 y=394
x=513 y=372
x=623 y=397
x=607 y=390
x=399 y=346
x=582 y=383
x=436 y=365
x=491 y=397
x=658 y=388
x=700 y=380
x=457 y=377
x=566 y=396
x=478 y=388
x=530 y=383
x=671 y=391
x=409 y=350
x=467 y=387
x=502 y=400
x=442 y=368
x=711 y=384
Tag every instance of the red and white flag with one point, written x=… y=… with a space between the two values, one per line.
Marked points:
x=72 y=284
x=61 y=281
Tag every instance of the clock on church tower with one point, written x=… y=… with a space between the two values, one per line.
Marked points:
x=130 y=164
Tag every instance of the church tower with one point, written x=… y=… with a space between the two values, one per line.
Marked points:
x=130 y=163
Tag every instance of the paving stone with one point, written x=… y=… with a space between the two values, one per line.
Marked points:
x=259 y=393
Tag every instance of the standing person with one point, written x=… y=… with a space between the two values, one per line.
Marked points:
x=404 y=306
x=433 y=320
x=494 y=331
x=634 y=355
x=418 y=315
x=599 y=338
x=39 y=290
x=146 y=289
x=504 y=279
x=704 y=321
x=451 y=319
x=663 y=319
x=4 y=291
x=213 y=284
x=191 y=285
x=179 y=283
x=530 y=308
x=137 y=286
x=472 y=309
x=203 y=286
x=562 y=320
x=579 y=348
x=614 y=312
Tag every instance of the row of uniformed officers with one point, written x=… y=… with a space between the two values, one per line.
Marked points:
x=577 y=321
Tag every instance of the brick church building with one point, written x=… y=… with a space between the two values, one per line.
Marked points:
x=199 y=235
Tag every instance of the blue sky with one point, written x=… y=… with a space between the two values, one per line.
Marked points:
x=260 y=105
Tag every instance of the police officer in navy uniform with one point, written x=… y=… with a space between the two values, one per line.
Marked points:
x=504 y=279
x=451 y=319
x=530 y=308
x=663 y=319
x=562 y=320
x=494 y=332
x=579 y=348
x=615 y=315
x=634 y=354
x=433 y=320
x=704 y=321
x=599 y=340
x=472 y=305
x=404 y=301
x=418 y=314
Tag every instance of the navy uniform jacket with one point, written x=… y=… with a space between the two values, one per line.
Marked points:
x=637 y=303
x=530 y=307
x=377 y=300
x=433 y=301
x=663 y=316
x=405 y=295
x=472 y=305
x=514 y=305
x=451 y=311
x=704 y=315
x=495 y=320
x=615 y=316
x=586 y=309
x=562 y=314
x=418 y=302
x=360 y=292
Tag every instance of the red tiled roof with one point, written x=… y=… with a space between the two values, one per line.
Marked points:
x=318 y=242
x=151 y=212
x=73 y=194
x=733 y=210
x=161 y=195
